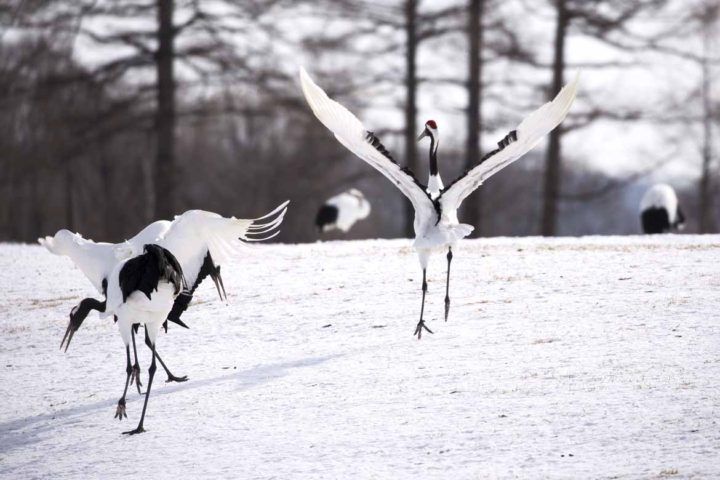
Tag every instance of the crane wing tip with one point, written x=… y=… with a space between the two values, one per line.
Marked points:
x=307 y=85
x=573 y=85
x=305 y=78
x=563 y=101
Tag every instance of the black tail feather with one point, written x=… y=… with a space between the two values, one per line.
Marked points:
x=183 y=301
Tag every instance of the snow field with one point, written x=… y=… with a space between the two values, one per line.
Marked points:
x=596 y=357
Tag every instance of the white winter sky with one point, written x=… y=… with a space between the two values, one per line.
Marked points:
x=617 y=148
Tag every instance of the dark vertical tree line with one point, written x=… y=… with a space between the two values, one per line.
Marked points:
x=708 y=16
x=165 y=164
x=475 y=31
x=411 y=44
x=117 y=113
x=553 y=156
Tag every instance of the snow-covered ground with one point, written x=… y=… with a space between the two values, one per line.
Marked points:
x=562 y=358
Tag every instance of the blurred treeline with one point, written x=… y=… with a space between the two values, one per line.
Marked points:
x=117 y=113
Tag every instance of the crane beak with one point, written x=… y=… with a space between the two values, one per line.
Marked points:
x=72 y=327
x=68 y=336
x=424 y=134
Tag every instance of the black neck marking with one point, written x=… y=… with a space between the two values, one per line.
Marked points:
x=375 y=142
x=433 y=155
x=183 y=301
x=81 y=311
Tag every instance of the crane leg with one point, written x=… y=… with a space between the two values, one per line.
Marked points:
x=136 y=368
x=447 y=284
x=151 y=375
x=421 y=324
x=171 y=377
x=120 y=412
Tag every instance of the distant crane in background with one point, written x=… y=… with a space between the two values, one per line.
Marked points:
x=436 y=224
x=660 y=210
x=342 y=211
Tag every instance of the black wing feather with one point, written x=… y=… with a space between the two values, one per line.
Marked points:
x=377 y=144
x=183 y=301
x=507 y=140
x=144 y=272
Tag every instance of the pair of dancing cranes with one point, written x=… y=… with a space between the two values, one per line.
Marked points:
x=150 y=278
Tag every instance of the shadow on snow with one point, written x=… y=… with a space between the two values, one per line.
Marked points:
x=29 y=430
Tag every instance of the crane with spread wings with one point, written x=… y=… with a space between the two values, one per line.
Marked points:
x=436 y=222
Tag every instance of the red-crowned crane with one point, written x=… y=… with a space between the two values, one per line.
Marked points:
x=660 y=210
x=436 y=223
x=144 y=289
x=342 y=211
x=96 y=260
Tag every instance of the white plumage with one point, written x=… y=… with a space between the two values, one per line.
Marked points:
x=138 y=308
x=97 y=259
x=660 y=196
x=192 y=241
x=347 y=207
x=194 y=234
x=436 y=223
x=660 y=210
x=190 y=238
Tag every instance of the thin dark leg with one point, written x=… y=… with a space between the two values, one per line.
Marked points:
x=421 y=324
x=136 y=368
x=151 y=374
x=120 y=412
x=171 y=377
x=447 y=284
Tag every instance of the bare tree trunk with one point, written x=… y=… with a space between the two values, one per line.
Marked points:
x=706 y=198
x=165 y=175
x=106 y=182
x=12 y=209
x=410 y=105
x=473 y=206
x=150 y=194
x=69 y=193
x=35 y=228
x=552 y=162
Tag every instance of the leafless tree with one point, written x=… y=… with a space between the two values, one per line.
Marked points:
x=708 y=17
x=475 y=31
x=603 y=20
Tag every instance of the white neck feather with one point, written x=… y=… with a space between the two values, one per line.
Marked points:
x=435 y=186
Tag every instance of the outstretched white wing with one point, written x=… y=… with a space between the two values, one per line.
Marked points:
x=516 y=144
x=194 y=234
x=95 y=260
x=355 y=137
